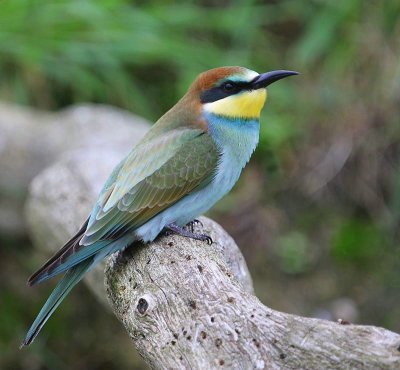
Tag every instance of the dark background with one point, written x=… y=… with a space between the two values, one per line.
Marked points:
x=316 y=212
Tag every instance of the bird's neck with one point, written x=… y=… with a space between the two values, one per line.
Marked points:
x=235 y=137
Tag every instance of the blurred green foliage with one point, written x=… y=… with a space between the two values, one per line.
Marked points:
x=358 y=242
x=116 y=52
x=319 y=207
x=294 y=252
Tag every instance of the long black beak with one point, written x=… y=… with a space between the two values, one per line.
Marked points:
x=265 y=79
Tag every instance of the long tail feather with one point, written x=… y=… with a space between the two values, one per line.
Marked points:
x=67 y=250
x=69 y=280
x=78 y=257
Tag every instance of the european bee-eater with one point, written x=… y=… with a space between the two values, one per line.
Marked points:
x=186 y=162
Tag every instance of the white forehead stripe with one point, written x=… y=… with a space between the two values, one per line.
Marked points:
x=247 y=75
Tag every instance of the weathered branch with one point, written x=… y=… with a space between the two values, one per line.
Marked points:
x=186 y=304
x=31 y=140
x=183 y=308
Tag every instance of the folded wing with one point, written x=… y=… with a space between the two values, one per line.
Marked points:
x=149 y=181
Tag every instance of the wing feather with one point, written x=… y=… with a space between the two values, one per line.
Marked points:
x=146 y=158
x=192 y=166
x=139 y=188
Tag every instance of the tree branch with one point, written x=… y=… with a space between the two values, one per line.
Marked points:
x=31 y=140
x=186 y=304
x=184 y=308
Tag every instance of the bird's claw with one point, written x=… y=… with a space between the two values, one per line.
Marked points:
x=189 y=234
x=191 y=224
x=206 y=238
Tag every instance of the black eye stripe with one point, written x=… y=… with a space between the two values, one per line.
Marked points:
x=227 y=88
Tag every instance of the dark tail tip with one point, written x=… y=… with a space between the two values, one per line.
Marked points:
x=33 y=278
x=36 y=278
x=30 y=337
x=24 y=344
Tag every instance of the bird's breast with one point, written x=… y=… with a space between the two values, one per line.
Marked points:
x=236 y=139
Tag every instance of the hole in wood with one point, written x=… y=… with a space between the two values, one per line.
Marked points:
x=142 y=306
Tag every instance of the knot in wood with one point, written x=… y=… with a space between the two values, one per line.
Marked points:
x=145 y=304
x=142 y=306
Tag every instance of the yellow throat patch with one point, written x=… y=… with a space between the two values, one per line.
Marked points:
x=247 y=104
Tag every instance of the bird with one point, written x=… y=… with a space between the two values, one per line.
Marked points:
x=188 y=160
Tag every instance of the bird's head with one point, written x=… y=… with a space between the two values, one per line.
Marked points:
x=234 y=92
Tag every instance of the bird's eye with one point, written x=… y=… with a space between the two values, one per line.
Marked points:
x=228 y=86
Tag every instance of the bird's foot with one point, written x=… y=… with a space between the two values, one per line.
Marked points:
x=190 y=225
x=188 y=234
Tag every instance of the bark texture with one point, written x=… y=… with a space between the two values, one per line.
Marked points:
x=186 y=304
x=184 y=308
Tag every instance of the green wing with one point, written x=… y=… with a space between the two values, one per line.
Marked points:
x=142 y=191
x=147 y=157
x=158 y=172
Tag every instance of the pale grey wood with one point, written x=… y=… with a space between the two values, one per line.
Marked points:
x=186 y=304
x=31 y=140
x=200 y=316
